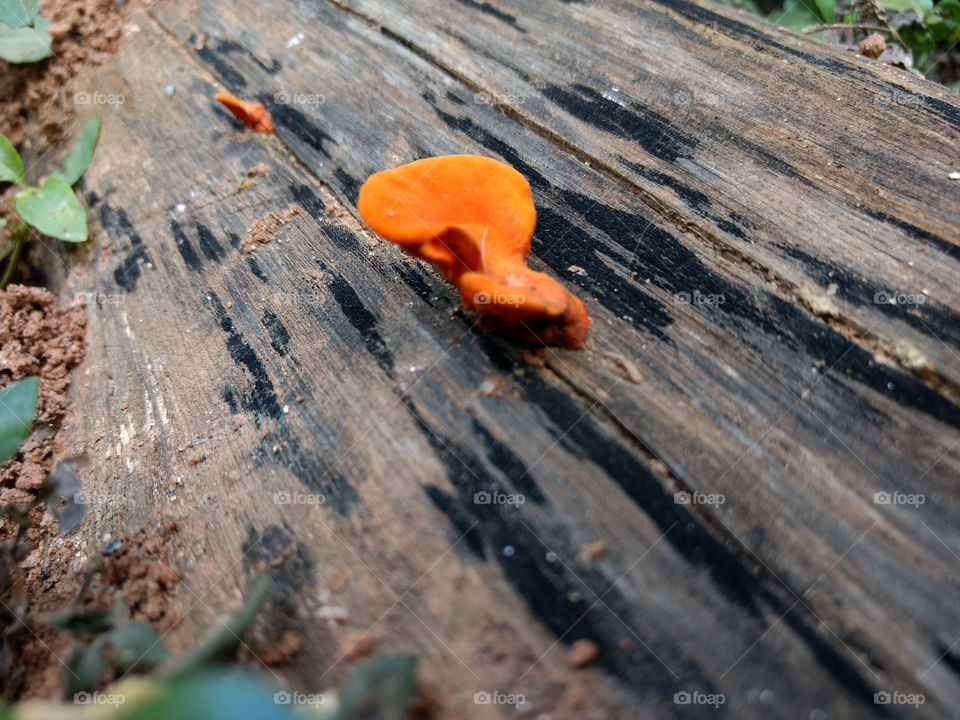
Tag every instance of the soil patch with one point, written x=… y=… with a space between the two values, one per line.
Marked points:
x=142 y=570
x=43 y=338
x=39 y=98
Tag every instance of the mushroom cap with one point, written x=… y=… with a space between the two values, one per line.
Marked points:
x=473 y=217
x=462 y=212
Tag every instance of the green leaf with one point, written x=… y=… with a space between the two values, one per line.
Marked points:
x=80 y=153
x=797 y=16
x=18 y=406
x=84 y=667
x=917 y=6
x=80 y=620
x=18 y=13
x=382 y=688
x=54 y=210
x=222 y=643
x=11 y=166
x=748 y=5
x=208 y=695
x=135 y=646
x=25 y=44
x=825 y=8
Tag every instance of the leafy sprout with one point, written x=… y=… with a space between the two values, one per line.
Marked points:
x=18 y=406
x=52 y=207
x=24 y=35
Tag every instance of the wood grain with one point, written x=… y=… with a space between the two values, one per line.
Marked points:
x=712 y=367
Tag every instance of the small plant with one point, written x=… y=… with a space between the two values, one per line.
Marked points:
x=18 y=406
x=51 y=208
x=933 y=33
x=928 y=30
x=24 y=34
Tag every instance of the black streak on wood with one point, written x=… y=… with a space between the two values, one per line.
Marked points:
x=261 y=399
x=233 y=79
x=552 y=592
x=493 y=12
x=921 y=313
x=287 y=117
x=186 y=249
x=652 y=131
x=363 y=321
x=279 y=336
x=316 y=472
x=209 y=245
x=117 y=224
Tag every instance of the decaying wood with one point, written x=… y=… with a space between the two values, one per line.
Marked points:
x=730 y=201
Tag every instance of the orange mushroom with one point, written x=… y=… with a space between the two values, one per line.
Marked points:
x=252 y=114
x=473 y=217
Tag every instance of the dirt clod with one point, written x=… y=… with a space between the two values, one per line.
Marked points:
x=582 y=653
x=873 y=45
x=144 y=569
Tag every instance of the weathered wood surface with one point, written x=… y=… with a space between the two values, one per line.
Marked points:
x=795 y=402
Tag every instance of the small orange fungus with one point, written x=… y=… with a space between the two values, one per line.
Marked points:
x=252 y=114
x=473 y=218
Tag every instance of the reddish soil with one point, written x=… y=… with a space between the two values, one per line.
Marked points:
x=143 y=572
x=38 y=98
x=43 y=338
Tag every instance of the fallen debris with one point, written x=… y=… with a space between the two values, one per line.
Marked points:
x=264 y=228
x=582 y=653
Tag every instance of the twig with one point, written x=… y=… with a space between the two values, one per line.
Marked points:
x=894 y=35
x=94 y=568
x=12 y=262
